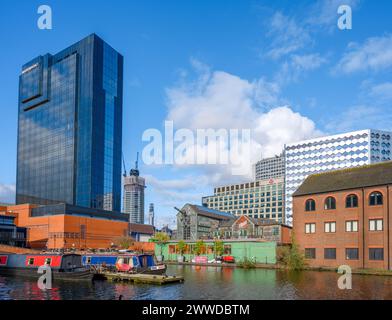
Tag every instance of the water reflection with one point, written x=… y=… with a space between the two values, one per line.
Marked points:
x=210 y=283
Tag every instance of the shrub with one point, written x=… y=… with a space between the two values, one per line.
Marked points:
x=246 y=263
x=160 y=238
x=181 y=245
x=292 y=257
x=199 y=248
x=218 y=247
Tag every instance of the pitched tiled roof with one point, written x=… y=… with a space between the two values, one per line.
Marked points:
x=364 y=176
x=207 y=212
x=141 y=228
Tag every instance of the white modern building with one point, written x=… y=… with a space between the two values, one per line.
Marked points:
x=133 y=201
x=151 y=215
x=269 y=168
x=329 y=153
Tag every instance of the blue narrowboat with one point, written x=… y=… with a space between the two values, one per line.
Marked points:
x=131 y=263
x=63 y=266
x=99 y=260
x=139 y=263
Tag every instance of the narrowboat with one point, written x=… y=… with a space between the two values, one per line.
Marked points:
x=99 y=260
x=63 y=266
x=139 y=263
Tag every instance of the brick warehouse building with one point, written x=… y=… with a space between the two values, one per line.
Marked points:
x=65 y=226
x=345 y=217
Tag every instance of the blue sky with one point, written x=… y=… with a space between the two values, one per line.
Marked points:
x=283 y=69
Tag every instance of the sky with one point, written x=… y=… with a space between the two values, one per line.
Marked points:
x=282 y=70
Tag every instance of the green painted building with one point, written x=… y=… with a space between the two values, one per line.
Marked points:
x=258 y=251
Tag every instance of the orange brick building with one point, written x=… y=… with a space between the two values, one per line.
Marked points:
x=65 y=226
x=344 y=217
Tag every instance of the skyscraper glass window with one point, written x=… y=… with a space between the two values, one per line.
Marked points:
x=70 y=127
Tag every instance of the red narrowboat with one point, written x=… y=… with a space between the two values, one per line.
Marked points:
x=63 y=266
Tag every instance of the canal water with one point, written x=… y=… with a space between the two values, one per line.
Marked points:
x=210 y=283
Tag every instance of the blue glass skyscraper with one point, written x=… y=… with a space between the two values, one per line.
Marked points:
x=70 y=127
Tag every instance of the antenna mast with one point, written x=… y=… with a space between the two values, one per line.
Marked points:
x=137 y=160
x=125 y=171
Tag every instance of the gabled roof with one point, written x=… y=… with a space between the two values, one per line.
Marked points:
x=360 y=177
x=211 y=213
x=260 y=221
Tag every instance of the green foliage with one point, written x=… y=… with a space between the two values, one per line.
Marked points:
x=199 y=248
x=160 y=238
x=218 y=247
x=292 y=257
x=181 y=246
x=246 y=263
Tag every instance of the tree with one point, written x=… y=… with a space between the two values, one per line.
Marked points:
x=199 y=248
x=160 y=238
x=218 y=247
x=181 y=247
x=293 y=258
x=124 y=242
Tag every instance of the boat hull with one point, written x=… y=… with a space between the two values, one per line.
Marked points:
x=32 y=273
x=160 y=271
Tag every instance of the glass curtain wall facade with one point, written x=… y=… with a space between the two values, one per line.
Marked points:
x=329 y=153
x=70 y=127
x=258 y=199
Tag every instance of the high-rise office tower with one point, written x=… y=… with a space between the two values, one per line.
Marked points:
x=329 y=153
x=134 y=195
x=70 y=127
x=151 y=214
x=269 y=168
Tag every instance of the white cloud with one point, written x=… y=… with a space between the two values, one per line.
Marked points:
x=297 y=65
x=360 y=117
x=323 y=13
x=374 y=54
x=222 y=100
x=288 y=36
x=7 y=193
x=382 y=92
x=215 y=100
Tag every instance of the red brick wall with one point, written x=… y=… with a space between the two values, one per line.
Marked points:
x=363 y=239
x=64 y=231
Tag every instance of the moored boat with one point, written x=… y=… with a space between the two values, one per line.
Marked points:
x=63 y=266
x=99 y=260
x=139 y=263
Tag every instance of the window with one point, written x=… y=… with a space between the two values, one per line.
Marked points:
x=88 y=260
x=330 y=203
x=310 y=228
x=310 y=253
x=375 y=199
x=352 y=254
x=375 y=224
x=330 y=227
x=352 y=201
x=310 y=205
x=48 y=261
x=376 y=254
x=352 y=226
x=31 y=261
x=330 y=253
x=227 y=249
